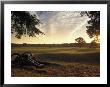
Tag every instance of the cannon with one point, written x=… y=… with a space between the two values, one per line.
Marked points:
x=25 y=59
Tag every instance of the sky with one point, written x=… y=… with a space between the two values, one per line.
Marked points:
x=59 y=27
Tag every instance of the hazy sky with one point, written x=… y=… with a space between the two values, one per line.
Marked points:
x=59 y=27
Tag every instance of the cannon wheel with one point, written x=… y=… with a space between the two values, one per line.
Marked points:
x=25 y=59
x=14 y=58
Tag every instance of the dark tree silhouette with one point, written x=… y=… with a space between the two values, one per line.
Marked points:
x=80 y=41
x=93 y=29
x=23 y=23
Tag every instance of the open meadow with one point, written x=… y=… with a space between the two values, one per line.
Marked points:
x=60 y=62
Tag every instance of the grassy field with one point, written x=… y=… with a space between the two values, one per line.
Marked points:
x=63 y=62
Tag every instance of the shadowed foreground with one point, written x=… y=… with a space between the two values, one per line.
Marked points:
x=61 y=62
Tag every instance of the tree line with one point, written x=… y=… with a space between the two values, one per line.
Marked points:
x=89 y=45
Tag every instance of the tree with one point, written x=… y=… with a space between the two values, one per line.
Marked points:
x=23 y=23
x=80 y=41
x=93 y=29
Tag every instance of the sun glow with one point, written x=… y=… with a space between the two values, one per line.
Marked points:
x=97 y=39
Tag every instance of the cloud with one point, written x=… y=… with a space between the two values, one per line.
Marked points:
x=62 y=25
